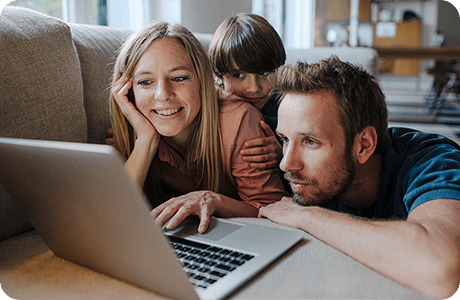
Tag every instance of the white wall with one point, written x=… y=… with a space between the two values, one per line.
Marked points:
x=449 y=23
x=204 y=16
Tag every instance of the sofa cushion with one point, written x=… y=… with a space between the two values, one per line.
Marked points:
x=96 y=47
x=42 y=93
x=42 y=90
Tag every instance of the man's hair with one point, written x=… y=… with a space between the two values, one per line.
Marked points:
x=360 y=100
x=248 y=42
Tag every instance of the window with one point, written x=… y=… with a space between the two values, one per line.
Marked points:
x=49 y=7
x=127 y=14
x=292 y=19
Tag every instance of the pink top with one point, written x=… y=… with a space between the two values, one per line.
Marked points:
x=239 y=122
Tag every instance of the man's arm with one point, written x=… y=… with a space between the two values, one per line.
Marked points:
x=422 y=253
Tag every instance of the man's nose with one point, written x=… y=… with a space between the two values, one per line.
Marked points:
x=291 y=161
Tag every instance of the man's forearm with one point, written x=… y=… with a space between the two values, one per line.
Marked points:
x=401 y=250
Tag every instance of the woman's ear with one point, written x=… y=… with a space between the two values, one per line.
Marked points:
x=365 y=144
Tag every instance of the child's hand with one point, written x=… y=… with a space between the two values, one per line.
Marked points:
x=109 y=139
x=263 y=153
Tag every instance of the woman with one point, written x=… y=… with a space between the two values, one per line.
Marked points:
x=177 y=139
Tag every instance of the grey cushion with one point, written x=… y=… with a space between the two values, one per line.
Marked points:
x=97 y=47
x=42 y=90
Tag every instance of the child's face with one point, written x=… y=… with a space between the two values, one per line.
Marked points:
x=251 y=87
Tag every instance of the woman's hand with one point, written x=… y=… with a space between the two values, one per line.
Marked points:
x=200 y=203
x=140 y=123
x=203 y=204
x=148 y=139
x=263 y=153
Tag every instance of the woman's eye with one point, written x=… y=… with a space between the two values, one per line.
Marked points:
x=179 y=78
x=144 y=82
x=265 y=73
x=238 y=75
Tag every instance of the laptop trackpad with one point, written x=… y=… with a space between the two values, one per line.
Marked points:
x=216 y=230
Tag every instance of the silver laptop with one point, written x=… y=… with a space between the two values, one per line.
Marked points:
x=87 y=209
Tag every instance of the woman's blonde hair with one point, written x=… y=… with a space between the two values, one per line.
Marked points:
x=204 y=147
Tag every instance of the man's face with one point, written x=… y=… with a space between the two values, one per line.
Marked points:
x=315 y=160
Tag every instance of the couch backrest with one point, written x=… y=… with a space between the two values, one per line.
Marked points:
x=96 y=47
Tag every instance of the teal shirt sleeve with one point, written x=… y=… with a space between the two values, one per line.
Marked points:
x=427 y=167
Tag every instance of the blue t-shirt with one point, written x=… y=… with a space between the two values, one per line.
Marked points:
x=270 y=111
x=417 y=167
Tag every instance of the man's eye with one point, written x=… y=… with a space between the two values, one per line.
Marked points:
x=284 y=139
x=310 y=142
x=238 y=75
x=265 y=73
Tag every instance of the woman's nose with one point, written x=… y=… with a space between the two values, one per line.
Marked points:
x=163 y=91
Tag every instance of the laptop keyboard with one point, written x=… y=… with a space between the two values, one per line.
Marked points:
x=206 y=264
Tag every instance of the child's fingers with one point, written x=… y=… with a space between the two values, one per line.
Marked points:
x=264 y=165
x=266 y=128
x=257 y=142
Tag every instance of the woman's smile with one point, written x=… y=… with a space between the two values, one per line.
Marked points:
x=166 y=112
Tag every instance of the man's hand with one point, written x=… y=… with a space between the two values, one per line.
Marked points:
x=284 y=212
x=263 y=153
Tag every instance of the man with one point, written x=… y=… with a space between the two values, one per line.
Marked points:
x=348 y=172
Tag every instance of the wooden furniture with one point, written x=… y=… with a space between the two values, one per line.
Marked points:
x=339 y=11
x=442 y=53
x=408 y=34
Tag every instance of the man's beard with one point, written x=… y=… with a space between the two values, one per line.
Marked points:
x=339 y=188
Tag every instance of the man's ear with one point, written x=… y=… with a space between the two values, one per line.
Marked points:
x=365 y=144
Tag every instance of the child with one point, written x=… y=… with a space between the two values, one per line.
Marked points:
x=244 y=52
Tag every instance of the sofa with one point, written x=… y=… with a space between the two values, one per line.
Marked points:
x=54 y=84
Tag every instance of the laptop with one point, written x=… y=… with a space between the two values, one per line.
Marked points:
x=88 y=210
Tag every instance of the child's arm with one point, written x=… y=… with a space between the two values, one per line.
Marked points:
x=263 y=153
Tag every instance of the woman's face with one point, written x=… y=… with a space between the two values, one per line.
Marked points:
x=166 y=89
